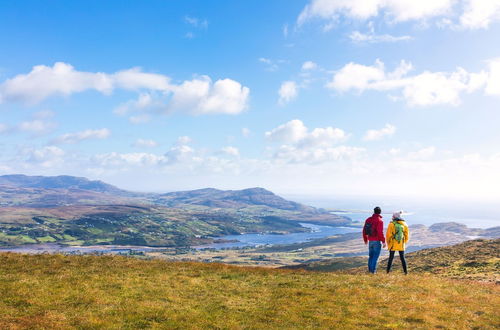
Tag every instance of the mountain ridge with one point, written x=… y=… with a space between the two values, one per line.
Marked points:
x=75 y=210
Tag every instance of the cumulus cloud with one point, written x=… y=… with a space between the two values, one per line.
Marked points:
x=473 y=14
x=292 y=131
x=197 y=96
x=397 y=10
x=202 y=96
x=287 y=92
x=480 y=14
x=373 y=134
x=37 y=127
x=145 y=143
x=424 y=89
x=62 y=79
x=89 y=134
x=309 y=146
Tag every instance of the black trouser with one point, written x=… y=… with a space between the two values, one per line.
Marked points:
x=391 y=258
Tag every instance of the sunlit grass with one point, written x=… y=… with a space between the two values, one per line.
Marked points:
x=54 y=291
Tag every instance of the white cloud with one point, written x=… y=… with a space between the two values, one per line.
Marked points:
x=304 y=146
x=424 y=89
x=479 y=14
x=359 y=37
x=116 y=160
x=179 y=153
x=294 y=154
x=37 y=127
x=397 y=10
x=62 y=79
x=373 y=134
x=48 y=156
x=89 y=134
x=135 y=79
x=145 y=101
x=357 y=76
x=473 y=14
x=292 y=131
x=309 y=65
x=201 y=96
x=322 y=170
x=231 y=151
x=44 y=81
x=197 y=96
x=320 y=137
x=145 y=143
x=287 y=92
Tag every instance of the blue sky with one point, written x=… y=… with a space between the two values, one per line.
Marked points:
x=313 y=97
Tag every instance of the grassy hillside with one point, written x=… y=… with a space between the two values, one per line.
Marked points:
x=55 y=291
x=474 y=260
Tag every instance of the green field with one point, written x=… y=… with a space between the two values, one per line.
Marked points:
x=110 y=292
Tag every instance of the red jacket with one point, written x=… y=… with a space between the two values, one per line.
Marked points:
x=378 y=226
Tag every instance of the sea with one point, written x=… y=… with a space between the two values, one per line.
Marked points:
x=474 y=214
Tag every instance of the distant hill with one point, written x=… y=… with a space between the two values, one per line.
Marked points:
x=75 y=210
x=459 y=228
x=232 y=199
x=59 y=182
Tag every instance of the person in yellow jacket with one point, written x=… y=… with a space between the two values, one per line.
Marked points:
x=397 y=236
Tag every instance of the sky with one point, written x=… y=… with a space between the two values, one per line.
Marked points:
x=313 y=97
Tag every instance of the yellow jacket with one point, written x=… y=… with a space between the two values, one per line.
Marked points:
x=392 y=243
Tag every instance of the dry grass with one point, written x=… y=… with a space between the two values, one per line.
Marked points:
x=109 y=292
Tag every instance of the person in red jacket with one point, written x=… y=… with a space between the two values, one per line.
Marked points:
x=373 y=235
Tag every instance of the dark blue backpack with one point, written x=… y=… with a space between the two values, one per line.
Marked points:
x=369 y=229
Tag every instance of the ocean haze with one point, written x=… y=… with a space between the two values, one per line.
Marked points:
x=420 y=210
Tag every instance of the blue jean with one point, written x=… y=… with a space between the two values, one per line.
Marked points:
x=374 y=248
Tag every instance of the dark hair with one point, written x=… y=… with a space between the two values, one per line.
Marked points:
x=377 y=210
